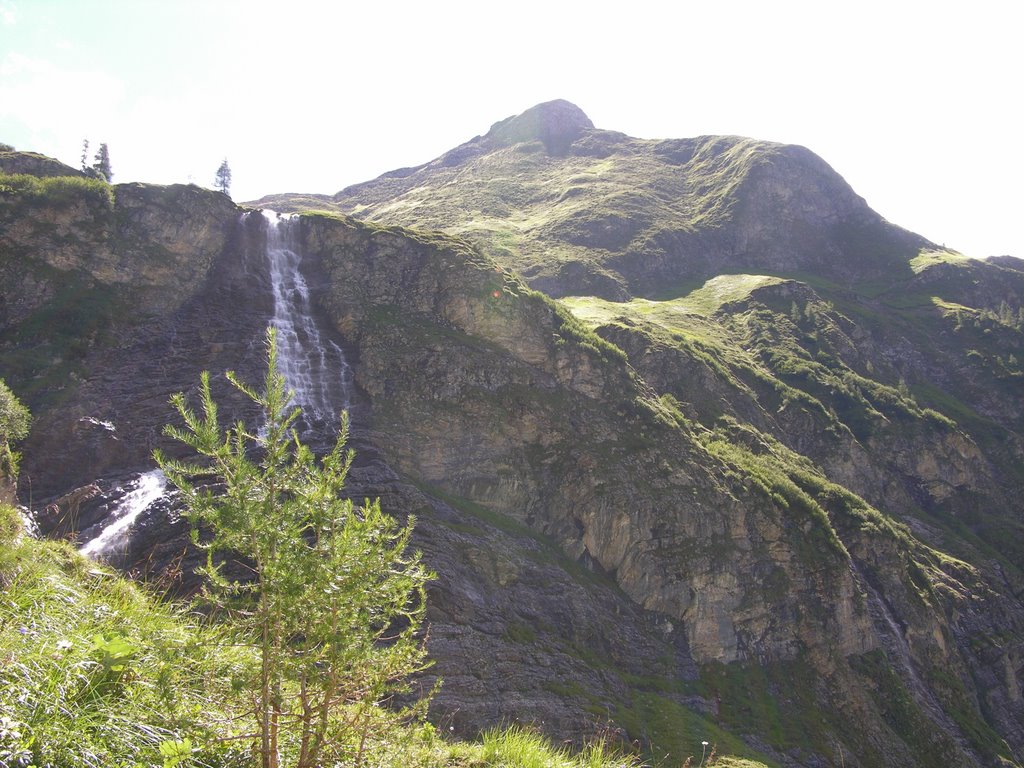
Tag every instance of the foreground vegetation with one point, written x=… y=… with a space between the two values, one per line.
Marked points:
x=96 y=672
x=329 y=603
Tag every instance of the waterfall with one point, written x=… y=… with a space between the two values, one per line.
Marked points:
x=313 y=367
x=149 y=487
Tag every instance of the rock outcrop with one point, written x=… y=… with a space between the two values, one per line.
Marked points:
x=98 y=281
x=34 y=164
x=479 y=387
x=556 y=124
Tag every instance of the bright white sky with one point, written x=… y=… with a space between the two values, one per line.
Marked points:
x=916 y=104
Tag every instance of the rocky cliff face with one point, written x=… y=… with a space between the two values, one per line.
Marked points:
x=34 y=164
x=97 y=282
x=749 y=548
x=549 y=427
x=755 y=477
x=798 y=335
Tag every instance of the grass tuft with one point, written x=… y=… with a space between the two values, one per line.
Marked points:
x=519 y=747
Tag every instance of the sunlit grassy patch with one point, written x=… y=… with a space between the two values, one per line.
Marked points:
x=55 y=190
x=928 y=258
x=670 y=314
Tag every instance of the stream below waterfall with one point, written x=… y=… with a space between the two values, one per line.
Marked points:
x=145 y=490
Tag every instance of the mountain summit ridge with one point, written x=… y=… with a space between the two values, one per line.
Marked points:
x=556 y=124
x=581 y=210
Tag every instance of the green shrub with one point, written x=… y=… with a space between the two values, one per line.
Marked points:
x=332 y=603
x=55 y=191
x=14 y=423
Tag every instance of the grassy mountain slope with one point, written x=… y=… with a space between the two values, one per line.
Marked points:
x=762 y=436
x=805 y=343
x=614 y=216
x=873 y=324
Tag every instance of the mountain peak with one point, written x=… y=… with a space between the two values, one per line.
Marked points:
x=556 y=123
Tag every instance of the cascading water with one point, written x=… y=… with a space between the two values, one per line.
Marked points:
x=313 y=367
x=149 y=487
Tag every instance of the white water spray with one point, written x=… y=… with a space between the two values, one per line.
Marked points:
x=314 y=368
x=148 y=488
